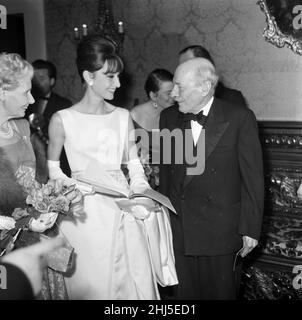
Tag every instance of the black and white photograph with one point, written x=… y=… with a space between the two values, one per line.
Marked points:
x=151 y=151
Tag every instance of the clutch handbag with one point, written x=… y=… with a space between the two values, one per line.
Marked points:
x=60 y=259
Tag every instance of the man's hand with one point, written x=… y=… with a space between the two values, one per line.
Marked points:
x=31 y=260
x=248 y=245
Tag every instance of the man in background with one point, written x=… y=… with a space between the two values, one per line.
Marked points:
x=46 y=104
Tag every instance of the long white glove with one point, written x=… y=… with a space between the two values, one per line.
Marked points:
x=55 y=172
x=138 y=179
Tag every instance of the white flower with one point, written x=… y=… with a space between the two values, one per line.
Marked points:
x=7 y=223
x=140 y=212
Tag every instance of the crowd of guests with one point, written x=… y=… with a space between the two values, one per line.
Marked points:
x=113 y=256
x=219 y=211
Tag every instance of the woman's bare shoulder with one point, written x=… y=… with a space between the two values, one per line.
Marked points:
x=56 y=122
x=57 y=116
x=138 y=112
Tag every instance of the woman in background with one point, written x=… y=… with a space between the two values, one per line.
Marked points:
x=158 y=87
x=112 y=246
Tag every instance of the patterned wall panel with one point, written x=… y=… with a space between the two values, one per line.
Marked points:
x=270 y=78
x=232 y=30
x=61 y=16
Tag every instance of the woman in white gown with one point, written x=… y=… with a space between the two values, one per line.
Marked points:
x=118 y=255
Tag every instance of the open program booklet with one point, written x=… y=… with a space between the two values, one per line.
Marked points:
x=101 y=181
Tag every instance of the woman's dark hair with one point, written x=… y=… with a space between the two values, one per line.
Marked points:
x=92 y=53
x=155 y=78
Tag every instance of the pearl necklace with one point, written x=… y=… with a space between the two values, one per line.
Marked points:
x=8 y=134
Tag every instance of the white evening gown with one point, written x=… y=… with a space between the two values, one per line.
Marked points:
x=116 y=255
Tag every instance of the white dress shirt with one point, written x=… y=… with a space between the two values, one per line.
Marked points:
x=195 y=126
x=40 y=104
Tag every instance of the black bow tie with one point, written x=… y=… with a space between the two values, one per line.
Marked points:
x=199 y=117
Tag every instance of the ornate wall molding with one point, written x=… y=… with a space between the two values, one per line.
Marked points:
x=281 y=136
x=268 y=269
x=263 y=283
x=274 y=35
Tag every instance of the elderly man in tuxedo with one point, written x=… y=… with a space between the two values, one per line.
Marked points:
x=219 y=210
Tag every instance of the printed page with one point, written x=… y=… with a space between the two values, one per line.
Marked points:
x=152 y=194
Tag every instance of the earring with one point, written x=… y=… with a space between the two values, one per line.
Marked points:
x=155 y=104
x=90 y=83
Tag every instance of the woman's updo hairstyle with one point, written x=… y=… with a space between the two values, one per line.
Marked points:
x=12 y=68
x=92 y=53
x=155 y=78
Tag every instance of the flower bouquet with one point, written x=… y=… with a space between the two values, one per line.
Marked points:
x=151 y=171
x=43 y=205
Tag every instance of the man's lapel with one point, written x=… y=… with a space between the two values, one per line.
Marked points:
x=214 y=128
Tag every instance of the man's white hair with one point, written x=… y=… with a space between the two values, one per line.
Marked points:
x=205 y=71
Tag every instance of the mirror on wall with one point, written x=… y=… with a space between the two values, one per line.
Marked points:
x=284 y=23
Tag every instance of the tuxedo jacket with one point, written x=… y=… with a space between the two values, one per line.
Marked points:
x=216 y=208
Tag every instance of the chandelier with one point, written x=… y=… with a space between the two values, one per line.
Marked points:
x=104 y=26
